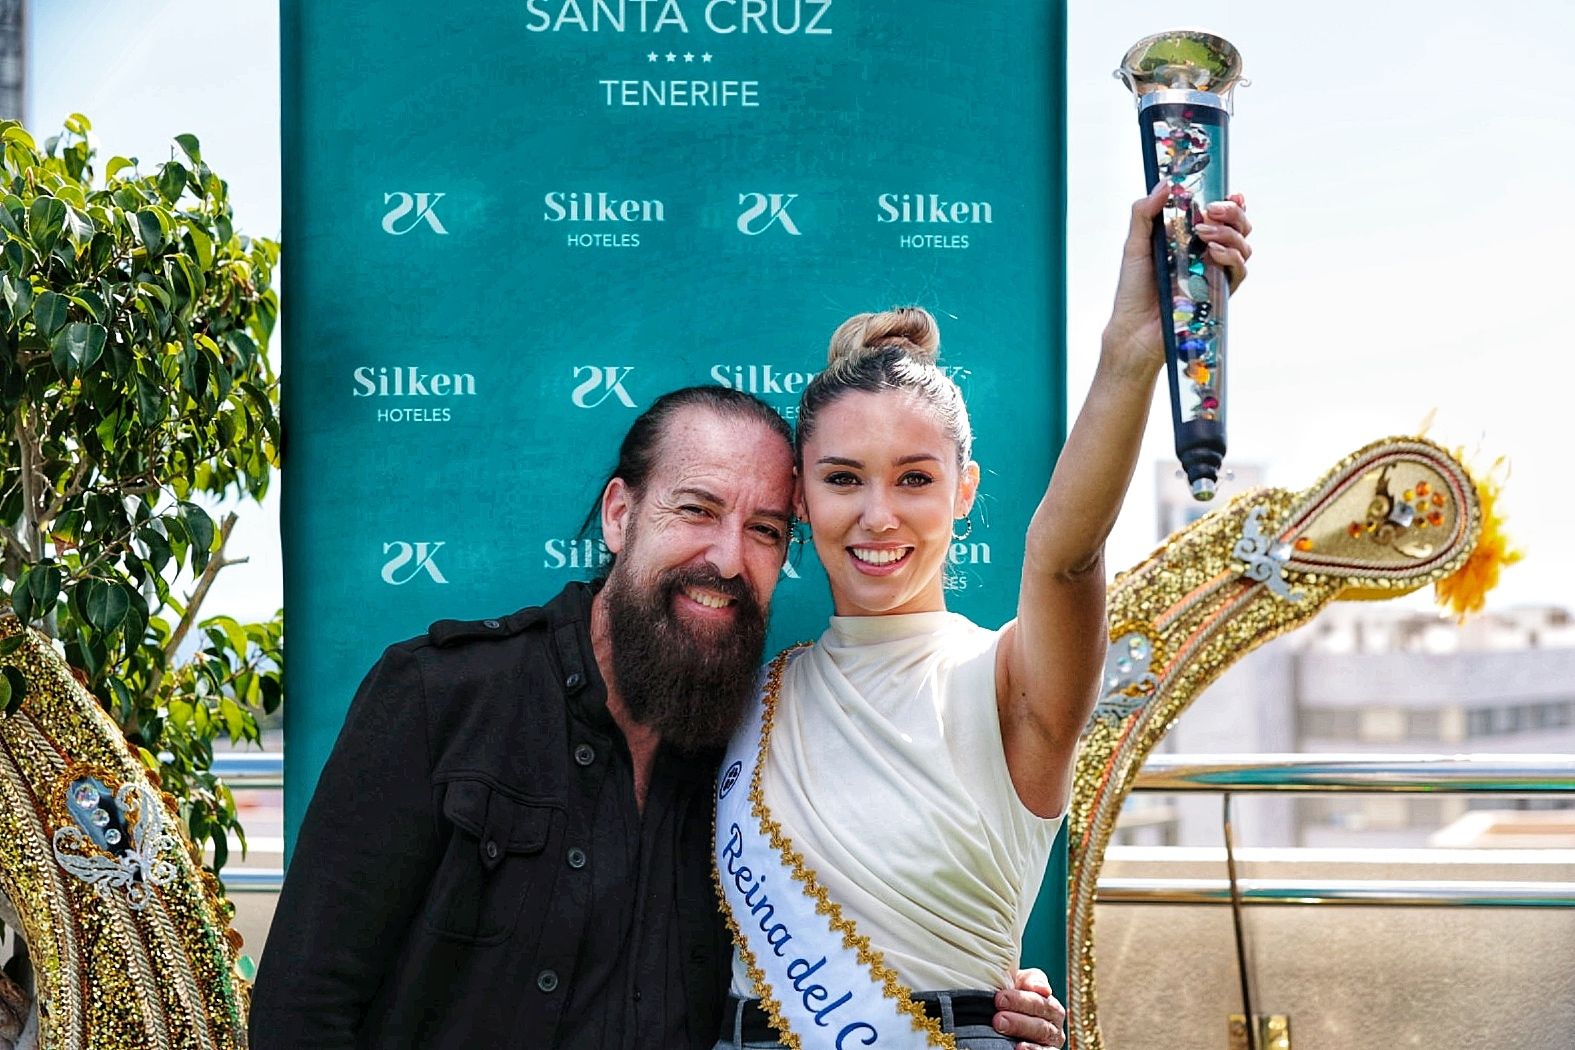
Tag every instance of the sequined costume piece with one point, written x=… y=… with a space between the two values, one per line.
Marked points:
x=130 y=940
x=1396 y=515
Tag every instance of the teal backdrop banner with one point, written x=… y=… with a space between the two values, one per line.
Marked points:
x=512 y=224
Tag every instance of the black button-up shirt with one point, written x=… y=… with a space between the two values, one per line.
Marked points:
x=474 y=870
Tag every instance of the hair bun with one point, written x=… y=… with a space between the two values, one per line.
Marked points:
x=908 y=328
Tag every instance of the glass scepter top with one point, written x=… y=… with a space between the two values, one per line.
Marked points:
x=1181 y=59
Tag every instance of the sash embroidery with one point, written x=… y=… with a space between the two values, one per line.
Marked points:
x=890 y=1019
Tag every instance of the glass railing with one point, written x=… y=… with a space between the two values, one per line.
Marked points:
x=1508 y=775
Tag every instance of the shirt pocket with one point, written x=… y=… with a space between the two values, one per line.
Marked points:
x=494 y=863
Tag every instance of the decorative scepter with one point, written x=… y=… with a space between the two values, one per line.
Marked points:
x=1182 y=80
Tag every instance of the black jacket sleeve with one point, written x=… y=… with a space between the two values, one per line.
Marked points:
x=362 y=863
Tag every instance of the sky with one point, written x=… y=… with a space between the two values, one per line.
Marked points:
x=1409 y=171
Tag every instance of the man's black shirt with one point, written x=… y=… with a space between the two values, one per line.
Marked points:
x=474 y=872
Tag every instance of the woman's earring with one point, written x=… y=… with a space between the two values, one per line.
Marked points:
x=967 y=530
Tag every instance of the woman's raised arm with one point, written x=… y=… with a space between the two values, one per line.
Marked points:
x=1052 y=655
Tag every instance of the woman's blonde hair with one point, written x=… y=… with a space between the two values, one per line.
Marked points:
x=896 y=349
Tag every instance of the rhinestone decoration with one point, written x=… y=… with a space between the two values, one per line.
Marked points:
x=1265 y=560
x=1200 y=612
x=107 y=976
x=1128 y=682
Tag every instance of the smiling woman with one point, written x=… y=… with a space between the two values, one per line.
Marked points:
x=910 y=769
x=884 y=443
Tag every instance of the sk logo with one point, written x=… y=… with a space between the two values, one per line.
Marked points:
x=602 y=382
x=730 y=778
x=418 y=206
x=410 y=560
x=774 y=206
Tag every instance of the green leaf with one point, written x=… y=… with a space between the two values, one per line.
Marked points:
x=201 y=245
x=119 y=363
x=234 y=717
x=17 y=256
x=234 y=633
x=91 y=304
x=188 y=144
x=126 y=197
x=49 y=312
x=172 y=180
x=45 y=587
x=77 y=347
x=200 y=528
x=44 y=221
x=22 y=596
x=13 y=689
x=100 y=250
x=272 y=694
x=124 y=702
x=24 y=298
x=117 y=165
x=11 y=644
x=158 y=548
x=150 y=399
x=104 y=603
x=16 y=133
x=153 y=229
x=77 y=124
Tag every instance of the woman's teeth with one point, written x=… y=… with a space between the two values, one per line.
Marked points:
x=879 y=557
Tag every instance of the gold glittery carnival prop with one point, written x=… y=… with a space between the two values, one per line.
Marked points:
x=129 y=938
x=1390 y=518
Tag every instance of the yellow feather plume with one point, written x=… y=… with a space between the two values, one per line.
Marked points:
x=1465 y=592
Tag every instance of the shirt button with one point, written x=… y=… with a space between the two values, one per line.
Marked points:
x=585 y=754
x=492 y=850
x=574 y=680
x=637 y=995
x=576 y=858
x=547 y=981
x=493 y=624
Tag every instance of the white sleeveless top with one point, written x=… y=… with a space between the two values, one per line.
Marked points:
x=886 y=771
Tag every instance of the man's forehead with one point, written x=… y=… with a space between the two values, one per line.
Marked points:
x=706 y=449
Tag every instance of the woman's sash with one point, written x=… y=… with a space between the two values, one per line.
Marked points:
x=817 y=977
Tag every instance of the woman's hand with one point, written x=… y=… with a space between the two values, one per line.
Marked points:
x=1134 y=333
x=1029 y=1012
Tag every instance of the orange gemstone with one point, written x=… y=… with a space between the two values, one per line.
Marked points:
x=1355 y=530
x=1438 y=499
x=1304 y=544
x=1423 y=488
x=1437 y=517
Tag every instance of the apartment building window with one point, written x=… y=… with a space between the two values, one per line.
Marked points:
x=1423 y=725
x=1519 y=718
x=1330 y=723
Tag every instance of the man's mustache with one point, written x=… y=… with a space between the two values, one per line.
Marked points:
x=710 y=578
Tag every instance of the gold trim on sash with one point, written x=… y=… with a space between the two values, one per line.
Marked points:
x=874 y=961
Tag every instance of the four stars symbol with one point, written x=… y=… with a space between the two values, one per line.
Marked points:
x=671 y=56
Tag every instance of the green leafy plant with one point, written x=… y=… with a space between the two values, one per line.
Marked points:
x=134 y=389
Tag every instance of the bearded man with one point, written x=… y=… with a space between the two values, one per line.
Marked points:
x=510 y=844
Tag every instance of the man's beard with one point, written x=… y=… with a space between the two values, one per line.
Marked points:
x=689 y=683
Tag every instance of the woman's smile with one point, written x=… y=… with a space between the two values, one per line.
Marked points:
x=882 y=560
